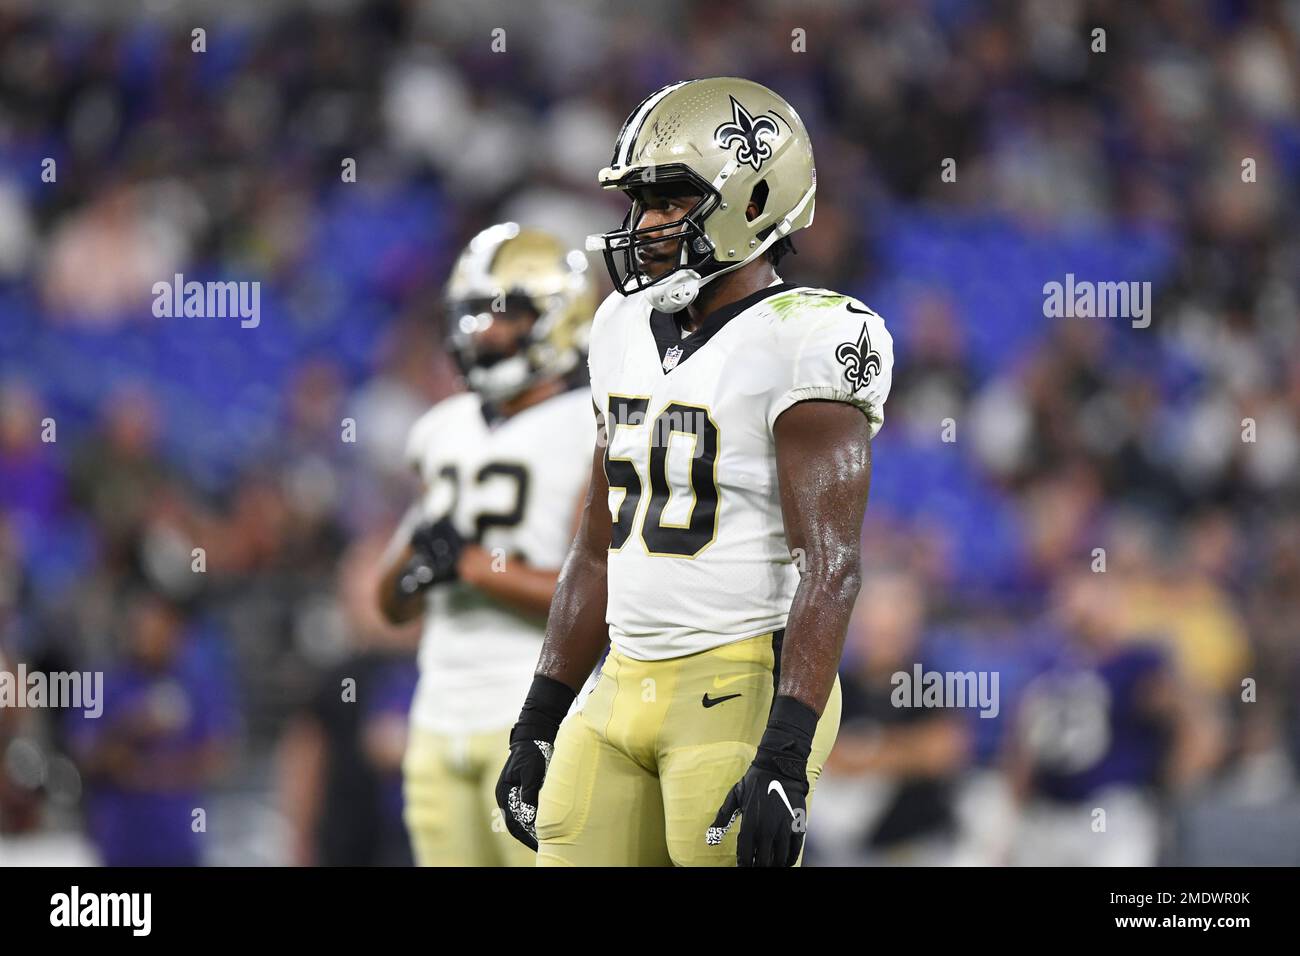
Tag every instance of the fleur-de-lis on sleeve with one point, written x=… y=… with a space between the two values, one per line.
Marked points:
x=861 y=362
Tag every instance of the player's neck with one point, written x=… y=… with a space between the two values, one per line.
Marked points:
x=727 y=289
x=533 y=395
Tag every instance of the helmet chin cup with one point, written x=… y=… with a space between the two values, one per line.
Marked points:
x=675 y=292
x=501 y=381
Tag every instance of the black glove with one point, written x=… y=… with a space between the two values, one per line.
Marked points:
x=437 y=546
x=532 y=742
x=772 y=796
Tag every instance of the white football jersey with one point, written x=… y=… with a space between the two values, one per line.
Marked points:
x=699 y=556
x=515 y=485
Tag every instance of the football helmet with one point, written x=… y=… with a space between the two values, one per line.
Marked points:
x=730 y=140
x=526 y=277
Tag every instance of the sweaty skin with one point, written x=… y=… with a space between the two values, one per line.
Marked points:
x=576 y=632
x=823 y=462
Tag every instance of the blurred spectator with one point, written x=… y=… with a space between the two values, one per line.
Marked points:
x=118 y=474
x=150 y=757
x=341 y=756
x=887 y=791
x=31 y=481
x=1184 y=600
x=107 y=257
x=1104 y=732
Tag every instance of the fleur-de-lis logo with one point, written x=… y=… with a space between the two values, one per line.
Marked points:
x=750 y=134
x=861 y=362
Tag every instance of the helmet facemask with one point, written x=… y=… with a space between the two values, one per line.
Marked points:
x=499 y=370
x=694 y=249
x=518 y=310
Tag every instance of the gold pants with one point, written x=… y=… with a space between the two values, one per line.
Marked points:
x=640 y=772
x=451 y=812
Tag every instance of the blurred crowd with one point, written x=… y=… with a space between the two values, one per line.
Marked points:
x=1103 y=515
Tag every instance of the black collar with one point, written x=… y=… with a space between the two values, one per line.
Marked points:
x=667 y=327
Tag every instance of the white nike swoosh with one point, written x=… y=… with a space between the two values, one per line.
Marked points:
x=780 y=792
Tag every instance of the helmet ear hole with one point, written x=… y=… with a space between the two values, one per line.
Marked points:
x=758 y=200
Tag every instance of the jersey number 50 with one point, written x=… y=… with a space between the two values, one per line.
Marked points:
x=660 y=538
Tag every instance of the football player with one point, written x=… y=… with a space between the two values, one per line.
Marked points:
x=719 y=547
x=503 y=466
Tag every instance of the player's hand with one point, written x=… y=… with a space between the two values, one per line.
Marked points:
x=771 y=799
x=437 y=546
x=532 y=741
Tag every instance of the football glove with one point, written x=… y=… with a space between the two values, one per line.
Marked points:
x=437 y=546
x=771 y=799
x=532 y=741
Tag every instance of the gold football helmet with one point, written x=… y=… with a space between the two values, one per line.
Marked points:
x=519 y=307
x=732 y=141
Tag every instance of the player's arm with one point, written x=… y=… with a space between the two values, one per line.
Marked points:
x=513 y=581
x=576 y=635
x=576 y=632
x=398 y=604
x=823 y=459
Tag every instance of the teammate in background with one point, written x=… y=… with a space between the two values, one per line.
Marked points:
x=719 y=548
x=1108 y=725
x=503 y=467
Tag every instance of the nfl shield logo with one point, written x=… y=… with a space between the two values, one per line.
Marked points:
x=672 y=357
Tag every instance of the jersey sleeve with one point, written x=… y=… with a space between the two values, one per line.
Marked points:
x=833 y=348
